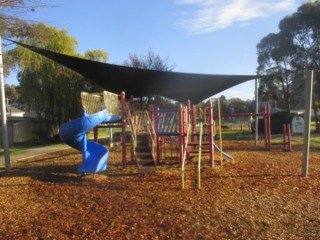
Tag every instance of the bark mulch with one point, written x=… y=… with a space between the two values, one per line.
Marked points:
x=260 y=196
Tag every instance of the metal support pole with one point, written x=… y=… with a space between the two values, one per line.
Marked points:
x=307 y=121
x=269 y=126
x=5 y=141
x=256 y=138
x=123 y=128
x=211 y=134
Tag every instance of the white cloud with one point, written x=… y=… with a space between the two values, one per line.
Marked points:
x=213 y=15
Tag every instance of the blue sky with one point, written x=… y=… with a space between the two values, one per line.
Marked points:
x=198 y=36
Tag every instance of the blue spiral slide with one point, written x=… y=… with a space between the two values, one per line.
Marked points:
x=74 y=133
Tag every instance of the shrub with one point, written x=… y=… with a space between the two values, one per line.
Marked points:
x=277 y=120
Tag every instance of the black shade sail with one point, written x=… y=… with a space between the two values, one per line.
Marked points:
x=142 y=82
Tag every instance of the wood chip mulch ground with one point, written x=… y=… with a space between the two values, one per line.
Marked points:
x=262 y=195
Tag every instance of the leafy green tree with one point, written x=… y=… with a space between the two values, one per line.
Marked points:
x=239 y=105
x=224 y=105
x=11 y=92
x=48 y=88
x=303 y=29
x=285 y=56
x=277 y=60
x=13 y=26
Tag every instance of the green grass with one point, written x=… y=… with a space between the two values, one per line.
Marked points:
x=13 y=151
x=298 y=141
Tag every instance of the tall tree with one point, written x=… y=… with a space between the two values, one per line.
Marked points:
x=303 y=30
x=151 y=61
x=278 y=60
x=13 y=26
x=285 y=56
x=48 y=88
x=11 y=93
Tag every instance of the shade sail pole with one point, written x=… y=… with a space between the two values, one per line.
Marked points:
x=5 y=142
x=307 y=121
x=257 y=111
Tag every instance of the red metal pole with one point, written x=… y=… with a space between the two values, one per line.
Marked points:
x=95 y=134
x=289 y=137
x=265 y=127
x=181 y=133
x=189 y=111
x=132 y=113
x=194 y=125
x=186 y=125
x=133 y=126
x=159 y=142
x=210 y=134
x=284 y=135
x=123 y=127
x=269 y=125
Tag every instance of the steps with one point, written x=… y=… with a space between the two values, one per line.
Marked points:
x=193 y=144
x=143 y=153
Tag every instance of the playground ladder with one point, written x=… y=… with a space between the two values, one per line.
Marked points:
x=143 y=153
x=196 y=138
x=141 y=131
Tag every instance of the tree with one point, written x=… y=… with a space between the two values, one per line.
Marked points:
x=50 y=89
x=11 y=93
x=285 y=56
x=224 y=105
x=13 y=26
x=276 y=58
x=239 y=105
x=151 y=61
x=303 y=29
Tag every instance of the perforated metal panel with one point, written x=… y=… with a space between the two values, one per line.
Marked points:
x=91 y=102
x=111 y=102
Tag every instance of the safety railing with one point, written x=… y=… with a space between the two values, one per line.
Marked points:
x=91 y=102
x=166 y=121
x=141 y=123
x=112 y=103
x=152 y=134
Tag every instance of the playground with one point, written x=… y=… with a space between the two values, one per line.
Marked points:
x=169 y=176
x=261 y=196
x=160 y=188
